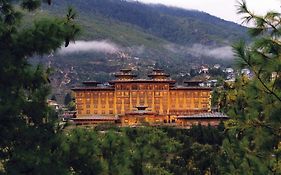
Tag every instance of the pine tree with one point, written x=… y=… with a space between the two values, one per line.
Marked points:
x=253 y=144
x=26 y=122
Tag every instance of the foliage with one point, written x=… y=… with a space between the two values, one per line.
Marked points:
x=26 y=122
x=67 y=98
x=125 y=151
x=252 y=144
x=151 y=149
x=172 y=24
x=200 y=152
x=167 y=40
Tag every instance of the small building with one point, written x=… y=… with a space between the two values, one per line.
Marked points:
x=141 y=116
x=204 y=70
x=229 y=70
x=204 y=119
x=217 y=66
x=53 y=104
x=245 y=72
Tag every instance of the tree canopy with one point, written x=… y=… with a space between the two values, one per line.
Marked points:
x=252 y=144
x=32 y=143
x=26 y=122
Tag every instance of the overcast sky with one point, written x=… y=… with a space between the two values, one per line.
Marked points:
x=225 y=9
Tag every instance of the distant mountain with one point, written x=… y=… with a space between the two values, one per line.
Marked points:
x=172 y=24
x=119 y=33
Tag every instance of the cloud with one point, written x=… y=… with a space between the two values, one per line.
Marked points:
x=103 y=46
x=138 y=50
x=198 y=50
x=224 y=52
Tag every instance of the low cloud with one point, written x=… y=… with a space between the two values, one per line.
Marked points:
x=103 y=46
x=224 y=52
x=198 y=50
x=136 y=50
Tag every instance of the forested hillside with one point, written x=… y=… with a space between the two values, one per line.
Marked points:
x=142 y=37
x=172 y=24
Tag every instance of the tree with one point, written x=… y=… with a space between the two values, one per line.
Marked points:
x=54 y=97
x=80 y=152
x=200 y=151
x=151 y=150
x=69 y=102
x=115 y=152
x=253 y=144
x=67 y=99
x=26 y=122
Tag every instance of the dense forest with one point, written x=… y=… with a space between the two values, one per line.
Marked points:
x=172 y=24
x=33 y=141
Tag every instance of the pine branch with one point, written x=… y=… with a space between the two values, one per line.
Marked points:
x=241 y=53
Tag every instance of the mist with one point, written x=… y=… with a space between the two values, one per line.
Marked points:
x=198 y=50
x=224 y=52
x=102 y=46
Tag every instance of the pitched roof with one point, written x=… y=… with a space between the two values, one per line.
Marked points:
x=205 y=116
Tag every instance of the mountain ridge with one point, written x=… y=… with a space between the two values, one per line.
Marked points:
x=147 y=36
x=175 y=25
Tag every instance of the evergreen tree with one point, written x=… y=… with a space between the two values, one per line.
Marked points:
x=53 y=97
x=151 y=150
x=67 y=99
x=26 y=122
x=253 y=144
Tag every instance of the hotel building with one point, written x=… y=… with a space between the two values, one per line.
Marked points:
x=128 y=101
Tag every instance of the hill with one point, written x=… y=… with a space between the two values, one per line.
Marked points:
x=172 y=24
x=118 y=33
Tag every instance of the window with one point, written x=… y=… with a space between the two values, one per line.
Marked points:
x=141 y=100
x=134 y=87
x=126 y=101
x=119 y=101
x=157 y=101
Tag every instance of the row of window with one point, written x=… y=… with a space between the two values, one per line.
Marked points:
x=102 y=112
x=142 y=87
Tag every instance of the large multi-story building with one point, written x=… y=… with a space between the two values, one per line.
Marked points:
x=130 y=101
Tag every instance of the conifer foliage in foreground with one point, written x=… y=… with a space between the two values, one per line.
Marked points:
x=27 y=130
x=253 y=138
x=32 y=144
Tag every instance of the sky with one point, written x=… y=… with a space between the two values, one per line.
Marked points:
x=225 y=9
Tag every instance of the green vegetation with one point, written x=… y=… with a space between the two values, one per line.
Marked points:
x=32 y=143
x=253 y=137
x=142 y=150
x=157 y=35
x=27 y=129
x=171 y=24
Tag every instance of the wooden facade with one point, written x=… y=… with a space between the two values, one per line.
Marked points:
x=158 y=93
